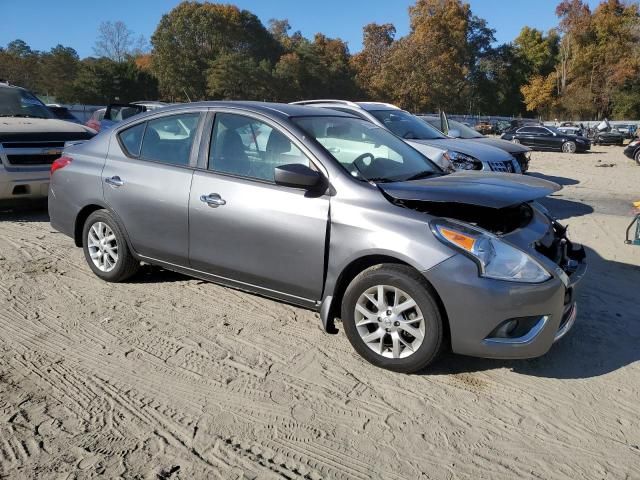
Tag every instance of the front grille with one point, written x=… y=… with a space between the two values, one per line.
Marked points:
x=32 y=159
x=523 y=159
x=502 y=167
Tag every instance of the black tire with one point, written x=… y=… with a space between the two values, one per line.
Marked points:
x=411 y=282
x=637 y=156
x=126 y=265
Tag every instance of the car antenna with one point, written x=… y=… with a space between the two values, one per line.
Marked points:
x=185 y=92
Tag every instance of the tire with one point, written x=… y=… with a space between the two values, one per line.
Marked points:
x=516 y=141
x=569 y=147
x=107 y=251
x=637 y=156
x=402 y=352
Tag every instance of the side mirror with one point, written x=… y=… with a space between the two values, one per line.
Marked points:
x=296 y=175
x=455 y=133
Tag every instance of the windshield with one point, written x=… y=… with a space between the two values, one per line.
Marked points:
x=15 y=102
x=367 y=151
x=465 y=132
x=405 y=125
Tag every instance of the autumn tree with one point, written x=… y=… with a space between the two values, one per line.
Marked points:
x=192 y=36
x=370 y=62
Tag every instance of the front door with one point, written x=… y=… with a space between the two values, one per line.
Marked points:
x=245 y=228
x=147 y=178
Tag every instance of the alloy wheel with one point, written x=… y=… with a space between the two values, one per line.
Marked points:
x=103 y=246
x=569 y=147
x=389 y=321
x=516 y=141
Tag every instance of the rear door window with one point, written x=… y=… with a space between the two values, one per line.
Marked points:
x=169 y=139
x=131 y=139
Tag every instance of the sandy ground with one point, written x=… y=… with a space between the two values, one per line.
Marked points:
x=169 y=377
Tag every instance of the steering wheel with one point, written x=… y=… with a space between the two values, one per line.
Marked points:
x=359 y=162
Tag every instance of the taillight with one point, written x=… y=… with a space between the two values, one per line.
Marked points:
x=60 y=163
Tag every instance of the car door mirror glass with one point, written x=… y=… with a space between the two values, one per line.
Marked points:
x=296 y=175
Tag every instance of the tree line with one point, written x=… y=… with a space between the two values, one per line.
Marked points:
x=587 y=67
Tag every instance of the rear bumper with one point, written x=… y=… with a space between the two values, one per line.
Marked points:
x=23 y=182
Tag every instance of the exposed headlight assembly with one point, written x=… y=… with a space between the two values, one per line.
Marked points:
x=462 y=161
x=495 y=258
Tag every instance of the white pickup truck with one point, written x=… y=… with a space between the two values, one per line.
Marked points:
x=30 y=140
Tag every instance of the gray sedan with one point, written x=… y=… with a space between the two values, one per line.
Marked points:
x=327 y=211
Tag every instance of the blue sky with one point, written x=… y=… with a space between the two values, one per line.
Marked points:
x=45 y=23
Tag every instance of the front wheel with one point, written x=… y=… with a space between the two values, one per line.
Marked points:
x=569 y=147
x=106 y=249
x=516 y=141
x=391 y=318
x=637 y=157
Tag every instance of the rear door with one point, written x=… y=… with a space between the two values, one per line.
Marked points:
x=147 y=178
x=528 y=136
x=245 y=228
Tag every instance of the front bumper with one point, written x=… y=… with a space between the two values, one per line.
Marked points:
x=23 y=182
x=477 y=307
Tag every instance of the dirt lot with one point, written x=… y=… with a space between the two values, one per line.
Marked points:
x=169 y=377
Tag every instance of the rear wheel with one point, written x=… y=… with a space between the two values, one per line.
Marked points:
x=391 y=318
x=569 y=147
x=106 y=249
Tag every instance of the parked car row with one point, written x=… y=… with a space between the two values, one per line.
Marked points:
x=354 y=218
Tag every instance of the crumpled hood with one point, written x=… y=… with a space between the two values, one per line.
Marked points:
x=493 y=190
x=41 y=129
x=484 y=153
x=502 y=144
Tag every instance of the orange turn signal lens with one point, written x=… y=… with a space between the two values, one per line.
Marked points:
x=460 y=239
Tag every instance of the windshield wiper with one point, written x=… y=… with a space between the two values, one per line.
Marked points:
x=423 y=174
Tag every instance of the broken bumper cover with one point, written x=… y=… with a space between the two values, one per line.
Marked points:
x=478 y=307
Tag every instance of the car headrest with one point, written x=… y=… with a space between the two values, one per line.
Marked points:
x=338 y=131
x=278 y=143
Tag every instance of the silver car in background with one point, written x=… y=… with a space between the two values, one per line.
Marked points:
x=330 y=212
x=461 y=131
x=448 y=153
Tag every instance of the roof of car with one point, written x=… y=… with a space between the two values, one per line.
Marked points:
x=282 y=109
x=347 y=103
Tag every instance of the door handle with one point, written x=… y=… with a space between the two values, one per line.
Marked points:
x=114 y=181
x=213 y=200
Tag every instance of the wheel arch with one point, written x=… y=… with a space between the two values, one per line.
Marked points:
x=84 y=213
x=330 y=307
